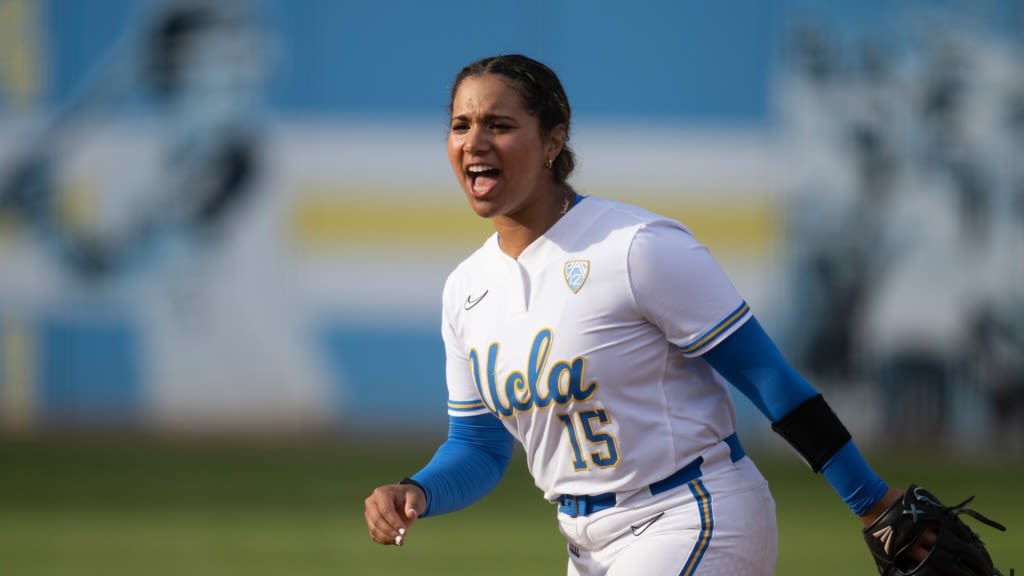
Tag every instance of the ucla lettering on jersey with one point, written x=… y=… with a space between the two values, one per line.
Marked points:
x=539 y=387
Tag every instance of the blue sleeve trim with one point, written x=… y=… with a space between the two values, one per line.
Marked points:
x=752 y=363
x=749 y=360
x=465 y=405
x=467 y=466
x=708 y=337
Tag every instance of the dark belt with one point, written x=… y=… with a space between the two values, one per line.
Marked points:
x=576 y=506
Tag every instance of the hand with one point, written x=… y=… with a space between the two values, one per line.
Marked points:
x=922 y=546
x=391 y=510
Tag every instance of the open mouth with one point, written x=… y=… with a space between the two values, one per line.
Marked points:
x=482 y=178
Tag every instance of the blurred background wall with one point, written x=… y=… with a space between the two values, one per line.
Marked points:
x=238 y=216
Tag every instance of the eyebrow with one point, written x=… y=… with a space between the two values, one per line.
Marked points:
x=486 y=117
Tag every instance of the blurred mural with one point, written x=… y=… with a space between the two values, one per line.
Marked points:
x=238 y=215
x=905 y=237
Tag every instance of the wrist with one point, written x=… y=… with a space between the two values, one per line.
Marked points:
x=407 y=481
x=884 y=503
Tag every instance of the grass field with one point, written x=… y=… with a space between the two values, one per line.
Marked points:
x=116 y=507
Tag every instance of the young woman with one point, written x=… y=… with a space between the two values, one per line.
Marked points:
x=602 y=337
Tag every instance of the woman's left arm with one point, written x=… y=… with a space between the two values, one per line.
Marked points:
x=752 y=363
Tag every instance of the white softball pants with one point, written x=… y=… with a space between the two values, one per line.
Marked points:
x=721 y=523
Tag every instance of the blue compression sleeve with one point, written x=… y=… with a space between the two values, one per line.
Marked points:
x=467 y=466
x=749 y=360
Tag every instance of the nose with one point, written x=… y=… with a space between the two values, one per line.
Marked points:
x=476 y=141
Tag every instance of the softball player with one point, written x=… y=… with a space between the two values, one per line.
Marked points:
x=602 y=338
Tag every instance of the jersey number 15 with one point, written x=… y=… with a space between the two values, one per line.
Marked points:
x=604 y=452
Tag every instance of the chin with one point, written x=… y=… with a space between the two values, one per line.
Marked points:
x=483 y=208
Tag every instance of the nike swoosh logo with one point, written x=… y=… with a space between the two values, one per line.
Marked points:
x=640 y=528
x=470 y=301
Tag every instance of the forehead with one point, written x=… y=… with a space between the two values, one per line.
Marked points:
x=487 y=93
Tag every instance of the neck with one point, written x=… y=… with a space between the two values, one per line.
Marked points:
x=516 y=232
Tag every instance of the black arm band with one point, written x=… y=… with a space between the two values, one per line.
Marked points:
x=814 y=430
x=408 y=480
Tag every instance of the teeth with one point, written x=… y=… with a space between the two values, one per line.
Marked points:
x=477 y=168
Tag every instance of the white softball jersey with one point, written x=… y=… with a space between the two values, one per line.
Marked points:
x=587 y=347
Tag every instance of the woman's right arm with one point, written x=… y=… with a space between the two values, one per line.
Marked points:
x=465 y=468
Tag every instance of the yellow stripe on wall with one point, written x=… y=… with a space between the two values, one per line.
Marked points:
x=20 y=66
x=324 y=220
x=320 y=220
x=739 y=222
x=17 y=394
x=9 y=229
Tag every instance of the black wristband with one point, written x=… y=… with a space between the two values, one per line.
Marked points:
x=408 y=480
x=814 y=430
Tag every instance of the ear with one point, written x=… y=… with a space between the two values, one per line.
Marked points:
x=555 y=141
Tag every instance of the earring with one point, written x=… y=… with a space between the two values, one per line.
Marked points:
x=548 y=164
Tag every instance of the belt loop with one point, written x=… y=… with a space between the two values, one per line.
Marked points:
x=571 y=504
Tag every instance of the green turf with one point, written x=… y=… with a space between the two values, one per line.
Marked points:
x=112 y=507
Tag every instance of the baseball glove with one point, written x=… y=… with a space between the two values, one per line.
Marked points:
x=958 y=551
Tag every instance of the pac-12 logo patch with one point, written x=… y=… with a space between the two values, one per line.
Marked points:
x=576 y=272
